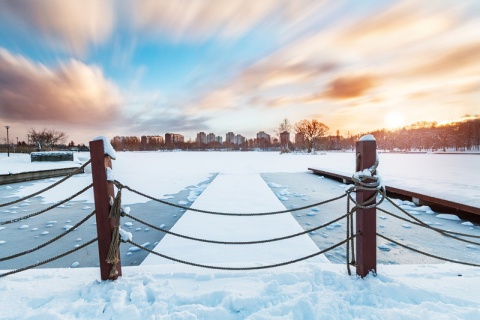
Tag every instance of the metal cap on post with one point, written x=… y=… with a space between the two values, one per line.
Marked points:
x=366 y=220
x=103 y=193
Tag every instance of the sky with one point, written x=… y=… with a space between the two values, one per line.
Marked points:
x=110 y=68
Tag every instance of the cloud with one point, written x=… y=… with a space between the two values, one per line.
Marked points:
x=465 y=57
x=73 y=93
x=349 y=87
x=201 y=20
x=73 y=25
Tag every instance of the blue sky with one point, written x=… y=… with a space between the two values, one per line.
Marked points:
x=149 y=67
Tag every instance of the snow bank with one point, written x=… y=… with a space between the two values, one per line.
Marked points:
x=305 y=291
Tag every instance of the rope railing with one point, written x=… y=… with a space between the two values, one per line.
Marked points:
x=79 y=169
x=121 y=186
x=426 y=253
x=446 y=233
x=49 y=260
x=235 y=242
x=16 y=255
x=418 y=222
x=48 y=208
x=239 y=268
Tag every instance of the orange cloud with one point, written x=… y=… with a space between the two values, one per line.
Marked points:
x=71 y=24
x=73 y=93
x=460 y=58
x=349 y=87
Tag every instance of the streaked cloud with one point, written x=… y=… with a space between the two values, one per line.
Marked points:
x=185 y=20
x=73 y=92
x=71 y=25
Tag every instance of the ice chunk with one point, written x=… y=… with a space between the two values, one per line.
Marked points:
x=384 y=247
x=447 y=216
x=75 y=264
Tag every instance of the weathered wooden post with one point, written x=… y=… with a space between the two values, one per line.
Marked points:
x=103 y=196
x=366 y=220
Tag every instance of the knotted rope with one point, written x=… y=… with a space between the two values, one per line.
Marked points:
x=113 y=256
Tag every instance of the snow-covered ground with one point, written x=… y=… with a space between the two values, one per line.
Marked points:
x=167 y=291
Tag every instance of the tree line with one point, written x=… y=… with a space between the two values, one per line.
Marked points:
x=312 y=135
x=430 y=136
x=309 y=135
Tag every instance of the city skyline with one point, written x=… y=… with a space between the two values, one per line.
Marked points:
x=136 y=68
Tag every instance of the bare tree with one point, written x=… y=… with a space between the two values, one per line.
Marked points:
x=311 y=131
x=283 y=133
x=47 y=138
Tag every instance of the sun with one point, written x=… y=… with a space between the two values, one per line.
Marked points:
x=394 y=120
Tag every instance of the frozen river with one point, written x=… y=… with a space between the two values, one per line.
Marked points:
x=181 y=176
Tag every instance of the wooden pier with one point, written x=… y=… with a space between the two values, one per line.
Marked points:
x=437 y=204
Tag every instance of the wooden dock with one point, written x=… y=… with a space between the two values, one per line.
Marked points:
x=437 y=204
x=35 y=175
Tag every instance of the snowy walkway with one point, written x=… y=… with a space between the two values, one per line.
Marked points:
x=241 y=193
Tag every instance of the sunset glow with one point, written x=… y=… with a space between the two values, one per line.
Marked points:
x=111 y=68
x=394 y=120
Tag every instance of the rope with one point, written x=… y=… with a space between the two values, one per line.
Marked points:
x=233 y=242
x=116 y=208
x=48 y=260
x=49 y=187
x=47 y=209
x=119 y=185
x=239 y=268
x=428 y=254
x=420 y=223
x=50 y=241
x=113 y=256
x=113 y=251
x=350 y=233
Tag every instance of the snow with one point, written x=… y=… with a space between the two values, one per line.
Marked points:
x=367 y=137
x=309 y=290
x=107 y=147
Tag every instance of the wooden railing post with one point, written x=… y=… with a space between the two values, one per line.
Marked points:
x=366 y=220
x=103 y=194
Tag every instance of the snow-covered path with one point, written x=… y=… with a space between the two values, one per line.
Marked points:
x=239 y=193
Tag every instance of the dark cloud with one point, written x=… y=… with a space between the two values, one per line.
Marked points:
x=169 y=123
x=73 y=93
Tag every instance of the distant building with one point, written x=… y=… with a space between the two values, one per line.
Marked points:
x=219 y=139
x=239 y=139
x=230 y=138
x=173 y=138
x=211 y=138
x=263 y=139
x=201 y=138
x=263 y=136
x=299 y=139
x=285 y=137
x=151 y=142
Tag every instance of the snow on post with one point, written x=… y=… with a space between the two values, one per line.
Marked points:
x=367 y=137
x=365 y=219
x=101 y=155
x=107 y=147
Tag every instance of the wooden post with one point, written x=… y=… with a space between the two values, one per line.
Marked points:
x=103 y=193
x=366 y=220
